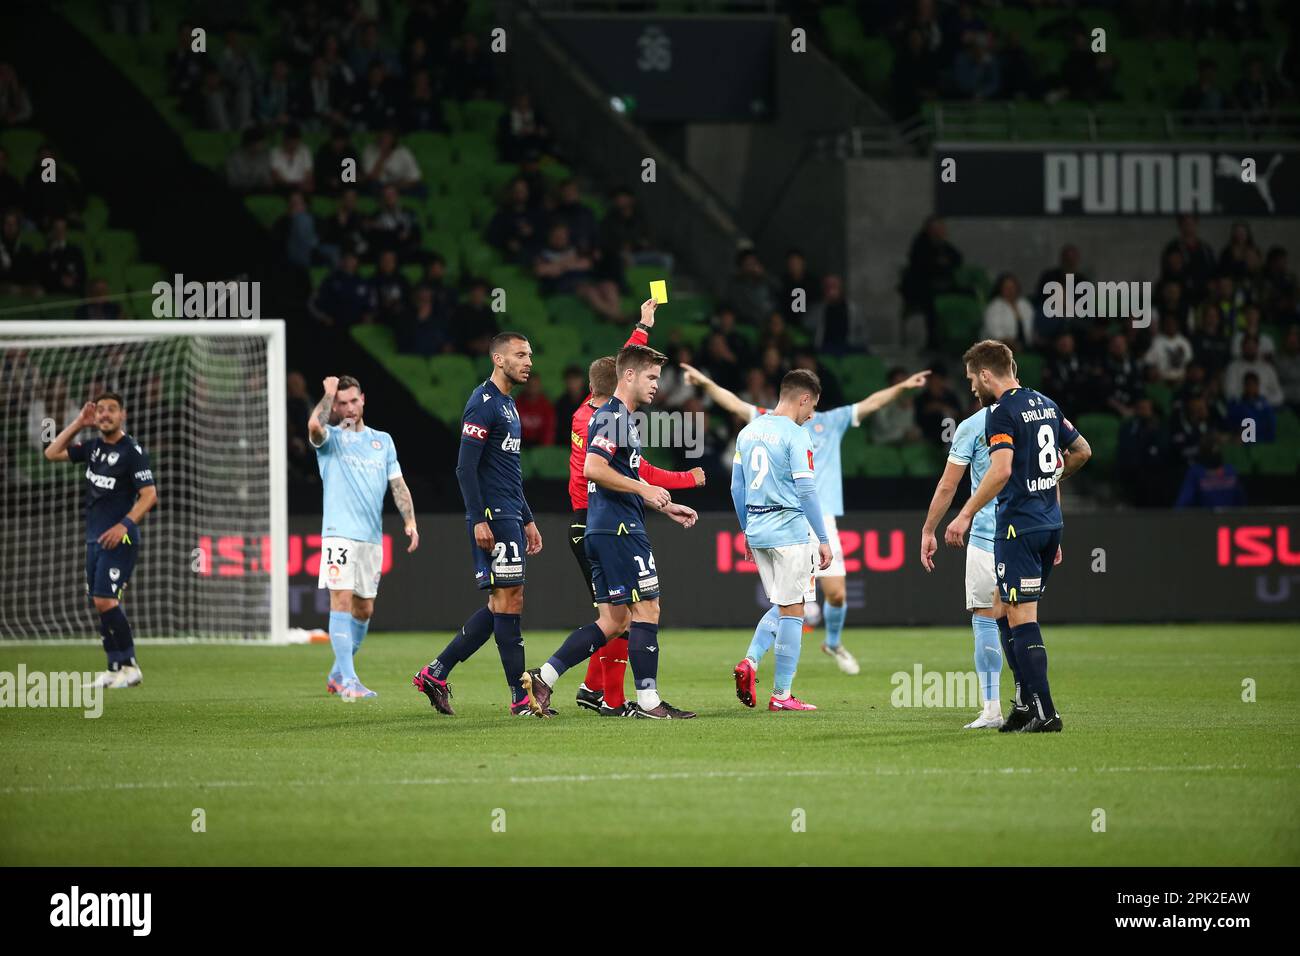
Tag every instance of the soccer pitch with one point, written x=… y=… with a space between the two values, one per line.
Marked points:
x=1157 y=737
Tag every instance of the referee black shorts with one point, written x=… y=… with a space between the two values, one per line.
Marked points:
x=577 y=533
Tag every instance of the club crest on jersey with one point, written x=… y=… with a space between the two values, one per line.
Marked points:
x=470 y=430
x=1002 y=570
x=112 y=457
x=376 y=444
x=114 y=574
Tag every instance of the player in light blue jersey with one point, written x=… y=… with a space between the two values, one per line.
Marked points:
x=970 y=448
x=777 y=504
x=357 y=464
x=826 y=430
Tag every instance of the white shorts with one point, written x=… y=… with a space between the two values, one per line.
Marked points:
x=787 y=573
x=981 y=583
x=836 y=568
x=347 y=565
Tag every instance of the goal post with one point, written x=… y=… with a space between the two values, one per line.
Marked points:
x=206 y=401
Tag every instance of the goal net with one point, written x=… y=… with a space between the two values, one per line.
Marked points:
x=206 y=402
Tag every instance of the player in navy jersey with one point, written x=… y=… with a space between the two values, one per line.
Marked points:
x=623 y=570
x=1025 y=432
x=119 y=492
x=502 y=532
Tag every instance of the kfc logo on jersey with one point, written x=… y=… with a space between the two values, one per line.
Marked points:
x=604 y=444
x=477 y=432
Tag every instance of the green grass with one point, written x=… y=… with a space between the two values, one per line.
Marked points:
x=1156 y=735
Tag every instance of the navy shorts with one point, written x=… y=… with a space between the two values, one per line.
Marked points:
x=107 y=572
x=622 y=568
x=1024 y=563
x=503 y=567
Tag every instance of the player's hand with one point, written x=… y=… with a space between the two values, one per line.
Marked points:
x=1057 y=559
x=684 y=516
x=111 y=538
x=824 y=553
x=698 y=475
x=693 y=375
x=955 y=536
x=483 y=536
x=331 y=384
x=532 y=539
x=87 y=416
x=928 y=547
x=656 y=497
x=414 y=535
x=917 y=380
x=648 y=312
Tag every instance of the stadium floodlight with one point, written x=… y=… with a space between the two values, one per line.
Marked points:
x=206 y=400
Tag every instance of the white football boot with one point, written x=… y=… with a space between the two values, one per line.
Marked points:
x=846 y=661
x=990 y=717
x=129 y=676
x=102 y=679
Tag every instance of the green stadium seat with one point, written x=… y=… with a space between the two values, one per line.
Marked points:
x=266 y=209
x=1239 y=456
x=142 y=276
x=640 y=277
x=1276 y=459
x=96 y=214
x=923 y=460
x=882 y=461
x=1029 y=367
x=476 y=256
x=960 y=319
x=451 y=112
x=1102 y=432
x=452 y=368
x=115 y=247
x=853 y=455
x=482 y=116
x=570 y=310
x=431 y=150
x=860 y=375
x=378 y=340
x=22 y=145
x=1288 y=427
x=473 y=149
x=545 y=461
x=210 y=147
x=976 y=279
x=1161 y=395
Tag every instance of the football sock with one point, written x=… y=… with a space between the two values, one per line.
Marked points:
x=988 y=656
x=577 y=647
x=110 y=643
x=764 y=635
x=595 y=679
x=1033 y=662
x=359 y=628
x=473 y=634
x=614 y=661
x=341 y=639
x=835 y=615
x=1009 y=652
x=789 y=636
x=115 y=627
x=510 y=645
x=643 y=655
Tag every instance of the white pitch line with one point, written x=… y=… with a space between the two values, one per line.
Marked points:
x=626 y=777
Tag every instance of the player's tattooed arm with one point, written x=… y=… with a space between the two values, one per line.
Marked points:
x=402 y=500
x=57 y=450
x=725 y=398
x=320 y=415
x=1079 y=453
x=878 y=400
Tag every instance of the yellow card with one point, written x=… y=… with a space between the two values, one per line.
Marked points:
x=659 y=290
